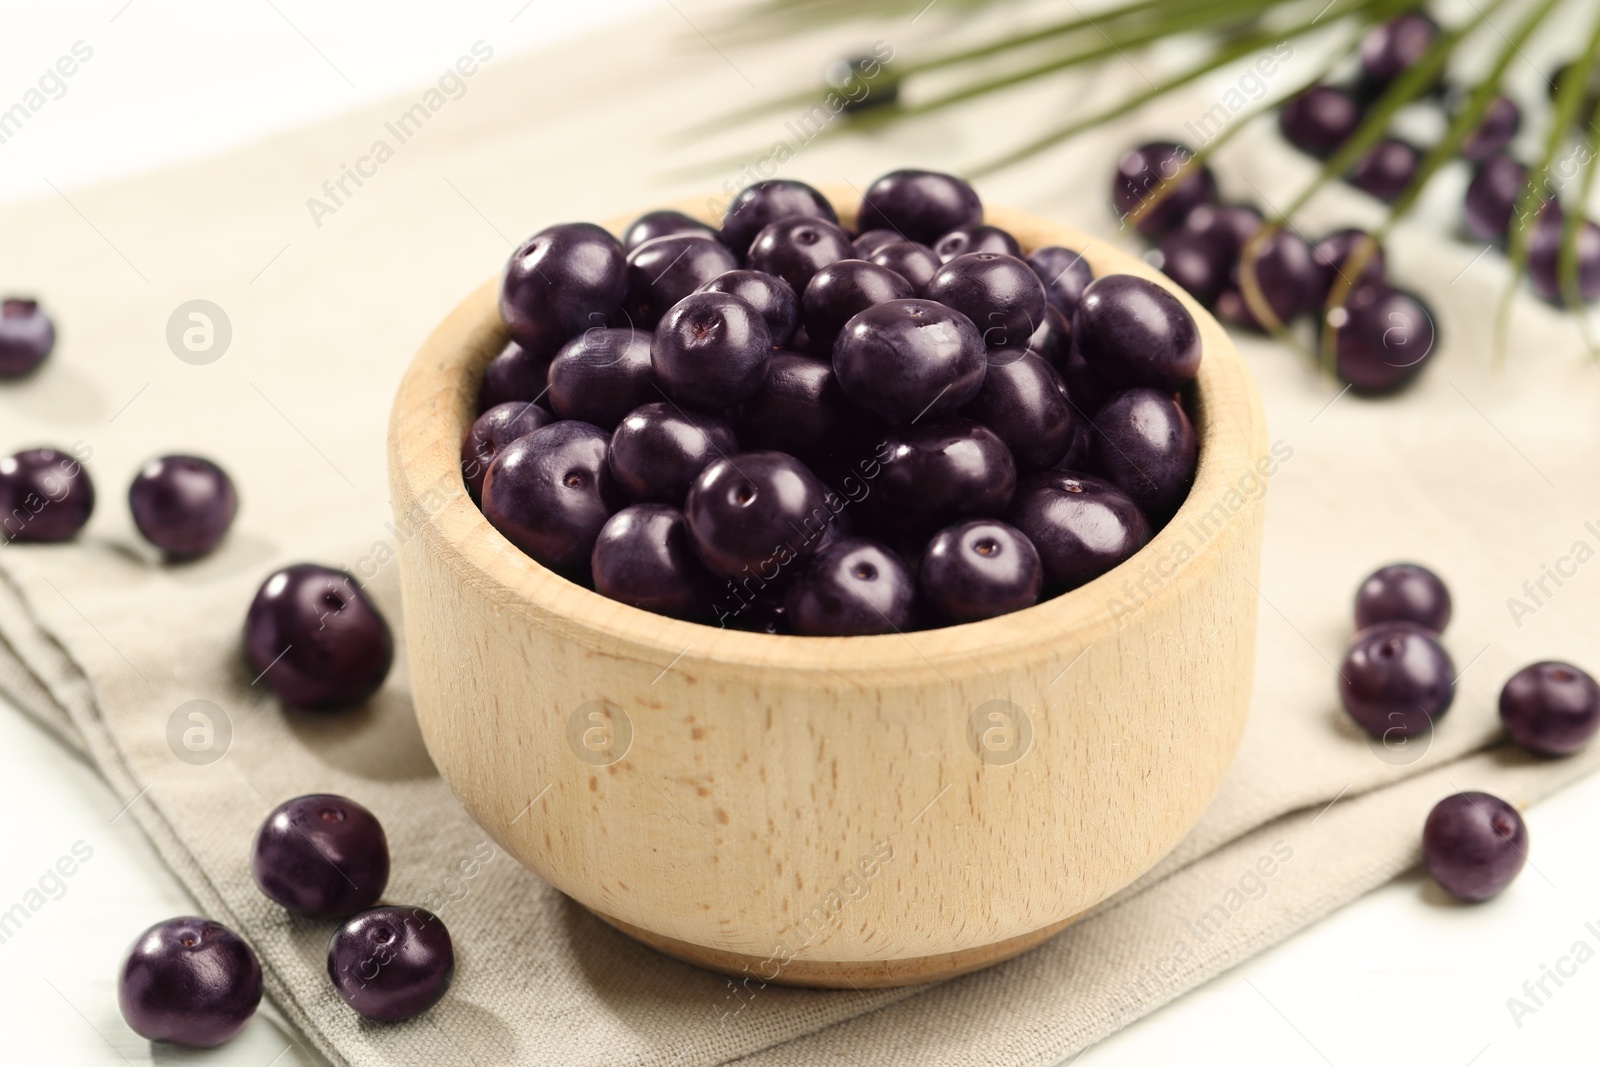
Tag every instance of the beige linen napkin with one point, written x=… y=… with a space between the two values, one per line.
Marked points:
x=1488 y=476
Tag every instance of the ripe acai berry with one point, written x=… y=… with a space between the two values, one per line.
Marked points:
x=1382 y=339
x=840 y=291
x=978 y=237
x=550 y=492
x=977 y=570
x=932 y=475
x=758 y=512
x=653 y=224
x=189 y=981
x=763 y=203
x=492 y=431
x=910 y=360
x=561 y=280
x=659 y=449
x=321 y=855
x=315 y=639
x=1143 y=443
x=1000 y=293
x=27 y=336
x=1026 y=402
x=1403 y=592
x=1065 y=274
x=1151 y=172
x=183 y=505
x=1397 y=680
x=852 y=587
x=914 y=262
x=664 y=271
x=514 y=374
x=643 y=557
x=1134 y=332
x=778 y=304
x=711 y=350
x=1319 y=120
x=45 y=495
x=393 y=963
x=796 y=247
x=1474 y=845
x=1550 y=708
x=601 y=375
x=1081 y=526
x=920 y=205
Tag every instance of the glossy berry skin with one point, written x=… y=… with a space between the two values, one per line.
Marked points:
x=1065 y=274
x=1396 y=680
x=870 y=241
x=27 y=337
x=915 y=263
x=550 y=492
x=1492 y=196
x=1133 y=332
x=932 y=475
x=1382 y=339
x=1403 y=592
x=978 y=237
x=1001 y=294
x=190 y=982
x=643 y=557
x=1087 y=388
x=1052 y=341
x=1499 y=125
x=910 y=360
x=771 y=296
x=653 y=224
x=757 y=513
x=801 y=410
x=1285 y=273
x=1150 y=168
x=664 y=271
x=1389 y=50
x=711 y=350
x=321 y=855
x=1333 y=257
x=1385 y=169
x=1320 y=120
x=1550 y=708
x=45 y=496
x=183 y=505
x=920 y=205
x=560 y=281
x=1144 y=443
x=1197 y=262
x=315 y=639
x=601 y=375
x=852 y=587
x=493 y=431
x=1081 y=526
x=797 y=247
x=659 y=449
x=977 y=570
x=1544 y=255
x=392 y=963
x=1474 y=845
x=842 y=290
x=1024 y=401
x=1227 y=227
x=759 y=205
x=514 y=374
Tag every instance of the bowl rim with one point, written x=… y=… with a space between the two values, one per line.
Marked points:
x=438 y=393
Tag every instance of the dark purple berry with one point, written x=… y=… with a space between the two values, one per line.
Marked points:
x=910 y=360
x=493 y=431
x=601 y=375
x=1320 y=120
x=977 y=570
x=920 y=205
x=930 y=476
x=1285 y=274
x=764 y=203
x=1403 y=592
x=1145 y=445
x=183 y=505
x=1065 y=274
x=1152 y=170
x=1052 y=341
x=643 y=557
x=659 y=449
x=560 y=281
x=1087 y=388
x=870 y=241
x=977 y=237
x=1385 y=169
x=1198 y=262
x=1382 y=339
x=1391 y=49
x=801 y=410
x=1228 y=227
x=315 y=639
x=1492 y=196
x=550 y=492
x=1474 y=845
x=1001 y=294
x=1499 y=125
x=915 y=263
x=1544 y=255
x=796 y=247
x=321 y=855
x=1550 y=708
x=1133 y=332
x=711 y=350
x=1396 y=680
x=1024 y=401
x=1080 y=525
x=26 y=336
x=514 y=374
x=851 y=587
x=189 y=981
x=842 y=290
x=771 y=296
x=756 y=513
x=45 y=495
x=664 y=271
x=1335 y=257
x=392 y=963
x=653 y=224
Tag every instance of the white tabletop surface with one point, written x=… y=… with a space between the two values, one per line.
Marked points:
x=1399 y=977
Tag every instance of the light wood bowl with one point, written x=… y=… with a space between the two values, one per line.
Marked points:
x=863 y=811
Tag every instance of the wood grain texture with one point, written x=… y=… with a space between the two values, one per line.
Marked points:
x=830 y=811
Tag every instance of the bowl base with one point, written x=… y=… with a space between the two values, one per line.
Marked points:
x=841 y=974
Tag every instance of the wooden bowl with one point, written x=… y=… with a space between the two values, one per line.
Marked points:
x=863 y=811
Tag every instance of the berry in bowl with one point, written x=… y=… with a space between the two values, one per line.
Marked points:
x=831 y=625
